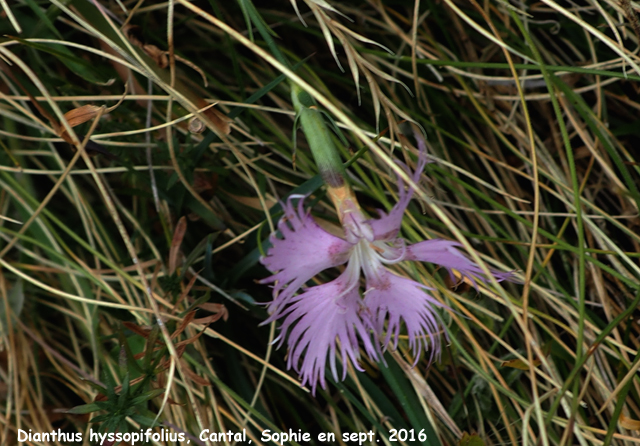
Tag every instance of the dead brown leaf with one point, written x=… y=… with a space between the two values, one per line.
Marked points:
x=183 y=324
x=137 y=329
x=519 y=364
x=628 y=423
x=194 y=376
x=176 y=242
x=220 y=310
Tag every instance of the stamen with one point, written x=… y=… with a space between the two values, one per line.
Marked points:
x=380 y=252
x=352 y=272
x=376 y=248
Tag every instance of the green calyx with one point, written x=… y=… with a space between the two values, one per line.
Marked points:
x=319 y=138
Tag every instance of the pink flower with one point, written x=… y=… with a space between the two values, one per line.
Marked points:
x=334 y=318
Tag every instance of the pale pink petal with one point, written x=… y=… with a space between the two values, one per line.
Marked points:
x=323 y=320
x=388 y=225
x=393 y=301
x=445 y=253
x=303 y=250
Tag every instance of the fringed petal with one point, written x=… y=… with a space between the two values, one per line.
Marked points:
x=445 y=253
x=388 y=225
x=393 y=300
x=322 y=321
x=303 y=250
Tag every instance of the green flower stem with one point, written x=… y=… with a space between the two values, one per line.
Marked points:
x=319 y=138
